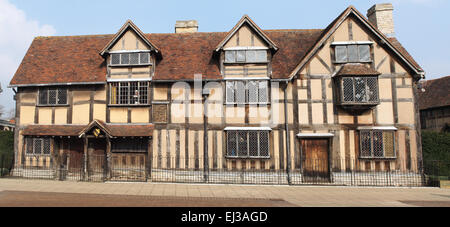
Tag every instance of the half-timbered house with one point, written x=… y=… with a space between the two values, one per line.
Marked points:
x=244 y=106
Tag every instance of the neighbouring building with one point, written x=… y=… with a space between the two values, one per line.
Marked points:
x=434 y=104
x=7 y=125
x=245 y=106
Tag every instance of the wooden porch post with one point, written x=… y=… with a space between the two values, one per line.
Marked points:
x=148 y=163
x=108 y=159
x=85 y=170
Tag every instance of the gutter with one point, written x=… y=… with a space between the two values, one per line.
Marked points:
x=288 y=139
x=54 y=84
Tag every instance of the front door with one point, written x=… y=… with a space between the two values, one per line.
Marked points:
x=315 y=160
x=96 y=158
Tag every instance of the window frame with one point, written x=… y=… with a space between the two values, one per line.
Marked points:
x=43 y=141
x=121 y=53
x=129 y=95
x=47 y=90
x=346 y=45
x=372 y=151
x=367 y=91
x=247 y=133
x=246 y=92
x=245 y=61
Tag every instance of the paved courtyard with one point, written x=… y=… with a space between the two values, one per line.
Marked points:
x=21 y=192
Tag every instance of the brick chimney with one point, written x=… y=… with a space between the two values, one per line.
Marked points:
x=186 y=26
x=380 y=15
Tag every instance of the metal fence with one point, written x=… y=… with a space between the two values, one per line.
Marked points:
x=129 y=167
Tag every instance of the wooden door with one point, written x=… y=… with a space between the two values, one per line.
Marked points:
x=96 y=158
x=315 y=160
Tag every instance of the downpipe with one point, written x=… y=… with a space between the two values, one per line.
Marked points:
x=288 y=139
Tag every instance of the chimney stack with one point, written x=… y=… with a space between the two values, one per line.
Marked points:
x=186 y=26
x=380 y=15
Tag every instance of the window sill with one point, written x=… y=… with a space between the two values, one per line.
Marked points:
x=58 y=105
x=38 y=155
x=359 y=103
x=247 y=158
x=351 y=62
x=237 y=63
x=247 y=104
x=130 y=65
x=377 y=158
x=129 y=105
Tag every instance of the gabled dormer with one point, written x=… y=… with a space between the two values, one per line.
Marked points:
x=130 y=59
x=128 y=46
x=245 y=59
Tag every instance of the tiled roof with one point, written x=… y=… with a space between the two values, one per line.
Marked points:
x=437 y=93
x=357 y=69
x=52 y=130
x=403 y=51
x=76 y=59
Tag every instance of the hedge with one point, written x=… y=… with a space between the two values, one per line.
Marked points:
x=7 y=142
x=436 y=147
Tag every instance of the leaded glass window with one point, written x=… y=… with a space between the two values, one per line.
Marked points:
x=377 y=144
x=247 y=92
x=129 y=93
x=53 y=96
x=38 y=146
x=352 y=53
x=359 y=90
x=248 y=144
x=245 y=56
x=139 y=58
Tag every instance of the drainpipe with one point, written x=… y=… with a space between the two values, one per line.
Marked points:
x=205 y=94
x=288 y=139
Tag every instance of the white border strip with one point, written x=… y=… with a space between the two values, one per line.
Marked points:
x=386 y=128
x=246 y=78
x=248 y=129
x=314 y=135
x=351 y=42
x=246 y=48
x=128 y=79
x=128 y=51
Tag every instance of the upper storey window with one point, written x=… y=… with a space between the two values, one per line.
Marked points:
x=129 y=93
x=357 y=87
x=359 y=90
x=352 y=53
x=246 y=56
x=127 y=58
x=52 y=96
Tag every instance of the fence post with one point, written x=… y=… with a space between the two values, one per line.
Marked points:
x=1 y=165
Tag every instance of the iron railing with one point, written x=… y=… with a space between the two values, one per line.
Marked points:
x=137 y=167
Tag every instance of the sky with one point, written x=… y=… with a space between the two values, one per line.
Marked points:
x=422 y=26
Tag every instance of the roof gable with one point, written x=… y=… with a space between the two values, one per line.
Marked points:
x=435 y=93
x=127 y=26
x=245 y=20
x=392 y=44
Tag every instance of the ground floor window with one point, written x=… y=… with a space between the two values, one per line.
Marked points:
x=377 y=144
x=129 y=145
x=248 y=144
x=38 y=146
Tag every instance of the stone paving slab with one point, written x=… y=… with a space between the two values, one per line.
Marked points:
x=56 y=199
x=310 y=196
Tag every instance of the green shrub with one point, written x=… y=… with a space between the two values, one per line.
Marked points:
x=7 y=142
x=436 y=152
x=3 y=172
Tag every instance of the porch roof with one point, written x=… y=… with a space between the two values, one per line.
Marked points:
x=53 y=130
x=113 y=130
